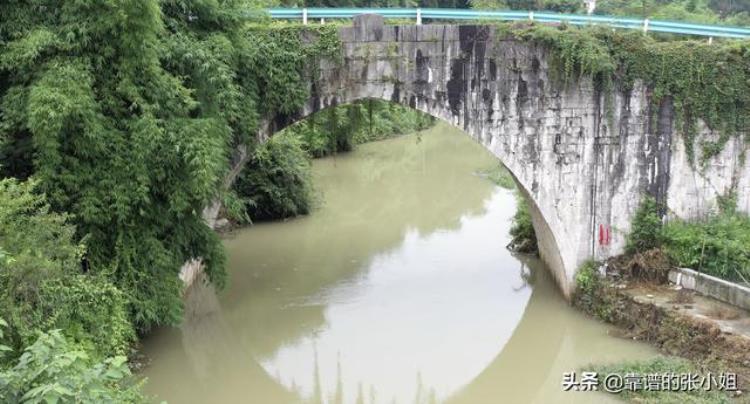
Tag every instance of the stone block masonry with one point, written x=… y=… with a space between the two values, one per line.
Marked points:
x=583 y=156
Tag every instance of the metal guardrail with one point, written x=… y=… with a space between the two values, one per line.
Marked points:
x=646 y=25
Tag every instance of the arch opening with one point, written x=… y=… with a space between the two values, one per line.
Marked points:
x=548 y=245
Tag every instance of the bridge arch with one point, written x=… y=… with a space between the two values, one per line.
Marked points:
x=582 y=155
x=500 y=94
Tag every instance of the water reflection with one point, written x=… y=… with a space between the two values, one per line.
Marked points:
x=397 y=289
x=412 y=312
x=204 y=359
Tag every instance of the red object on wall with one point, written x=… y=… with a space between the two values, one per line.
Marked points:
x=608 y=238
x=605 y=235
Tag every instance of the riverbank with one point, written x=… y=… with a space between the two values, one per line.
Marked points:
x=713 y=335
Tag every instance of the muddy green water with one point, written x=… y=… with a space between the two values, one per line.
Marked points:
x=396 y=289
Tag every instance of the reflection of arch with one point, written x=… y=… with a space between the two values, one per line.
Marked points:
x=379 y=227
x=516 y=368
x=449 y=173
x=210 y=358
x=531 y=364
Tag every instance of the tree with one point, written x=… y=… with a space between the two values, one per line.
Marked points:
x=128 y=112
x=42 y=285
x=117 y=139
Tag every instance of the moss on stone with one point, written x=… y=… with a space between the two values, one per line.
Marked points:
x=706 y=83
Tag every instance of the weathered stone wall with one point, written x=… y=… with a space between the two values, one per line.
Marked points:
x=693 y=193
x=582 y=157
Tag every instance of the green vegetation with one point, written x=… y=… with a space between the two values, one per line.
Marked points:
x=42 y=285
x=706 y=82
x=591 y=294
x=125 y=114
x=523 y=236
x=718 y=245
x=341 y=128
x=522 y=230
x=52 y=370
x=660 y=366
x=645 y=233
x=276 y=183
x=500 y=176
x=122 y=115
x=729 y=12
x=587 y=277
x=703 y=344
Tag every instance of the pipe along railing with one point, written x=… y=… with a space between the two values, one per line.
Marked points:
x=646 y=25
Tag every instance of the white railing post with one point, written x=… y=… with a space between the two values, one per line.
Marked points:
x=322 y=21
x=419 y=16
x=304 y=16
x=645 y=25
x=531 y=16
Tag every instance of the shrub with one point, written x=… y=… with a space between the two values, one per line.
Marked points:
x=90 y=311
x=52 y=370
x=587 y=277
x=522 y=229
x=645 y=232
x=590 y=295
x=719 y=245
x=386 y=119
x=276 y=182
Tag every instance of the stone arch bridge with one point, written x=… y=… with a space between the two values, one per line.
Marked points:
x=582 y=169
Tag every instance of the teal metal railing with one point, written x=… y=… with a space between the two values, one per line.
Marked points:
x=646 y=25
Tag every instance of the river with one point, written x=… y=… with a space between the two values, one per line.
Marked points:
x=396 y=289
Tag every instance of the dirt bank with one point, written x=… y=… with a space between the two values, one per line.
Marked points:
x=634 y=296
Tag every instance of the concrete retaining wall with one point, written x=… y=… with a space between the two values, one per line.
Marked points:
x=719 y=289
